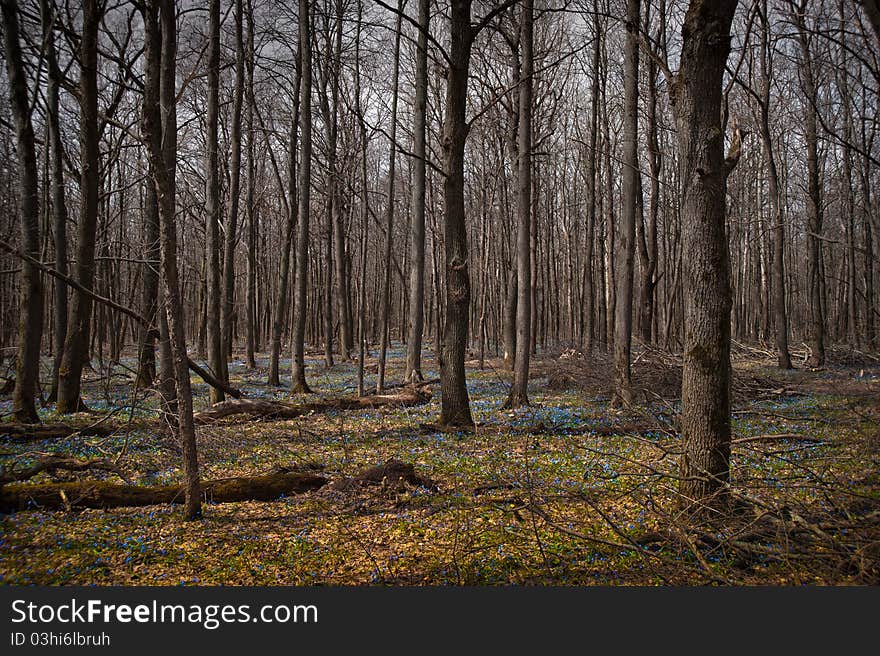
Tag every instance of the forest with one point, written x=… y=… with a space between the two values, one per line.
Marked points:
x=440 y=292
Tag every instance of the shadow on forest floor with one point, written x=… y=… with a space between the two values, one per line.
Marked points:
x=567 y=491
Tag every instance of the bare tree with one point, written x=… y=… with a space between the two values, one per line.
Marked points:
x=705 y=393
x=213 y=271
x=627 y=226
x=417 y=227
x=30 y=322
x=816 y=279
x=519 y=390
x=298 y=373
x=160 y=98
x=79 y=321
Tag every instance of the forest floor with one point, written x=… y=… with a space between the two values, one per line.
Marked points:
x=568 y=491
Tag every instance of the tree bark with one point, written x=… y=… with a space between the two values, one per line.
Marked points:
x=30 y=321
x=289 y=233
x=815 y=276
x=519 y=392
x=77 y=340
x=160 y=50
x=228 y=315
x=250 y=203
x=780 y=315
x=455 y=404
x=298 y=374
x=101 y=494
x=417 y=228
x=59 y=205
x=696 y=97
x=623 y=394
x=214 y=332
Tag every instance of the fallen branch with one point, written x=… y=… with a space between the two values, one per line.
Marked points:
x=209 y=378
x=53 y=462
x=417 y=384
x=777 y=436
x=99 y=494
x=35 y=432
x=268 y=410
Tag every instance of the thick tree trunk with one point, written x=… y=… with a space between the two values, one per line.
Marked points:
x=519 y=395
x=417 y=227
x=623 y=394
x=696 y=97
x=77 y=340
x=30 y=320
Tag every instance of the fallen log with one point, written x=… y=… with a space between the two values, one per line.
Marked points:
x=267 y=410
x=34 y=432
x=100 y=494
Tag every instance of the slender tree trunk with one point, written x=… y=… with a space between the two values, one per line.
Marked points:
x=300 y=294
x=77 y=340
x=160 y=87
x=148 y=335
x=252 y=219
x=30 y=320
x=519 y=395
x=365 y=209
x=214 y=332
x=389 y=213
x=417 y=228
x=289 y=231
x=590 y=332
x=509 y=327
x=696 y=97
x=59 y=205
x=815 y=276
x=649 y=251
x=228 y=315
x=780 y=315
x=623 y=394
